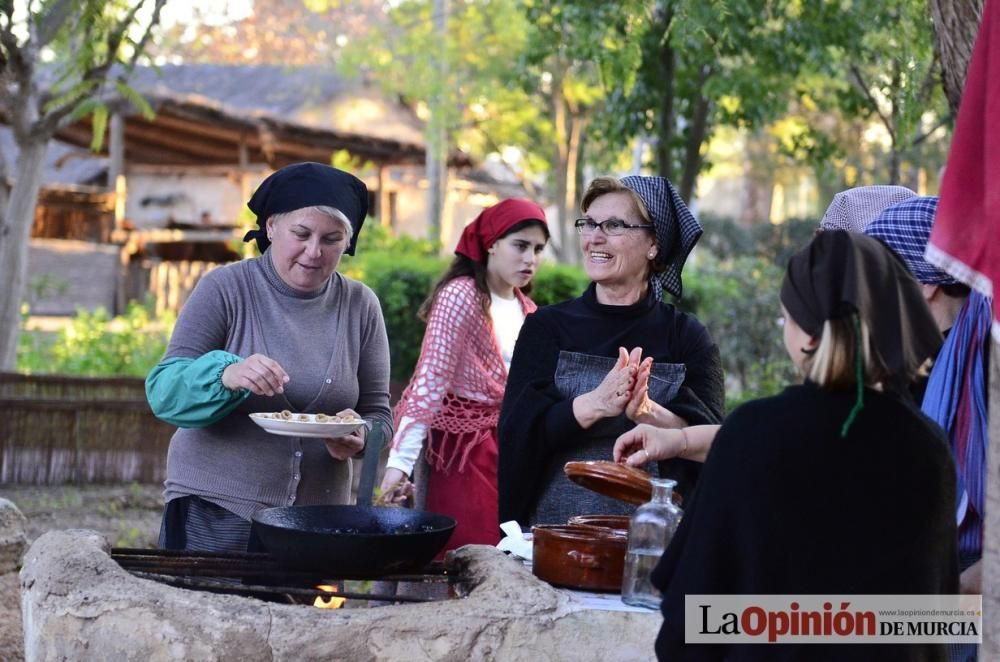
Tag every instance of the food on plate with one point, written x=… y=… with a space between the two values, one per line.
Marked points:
x=309 y=418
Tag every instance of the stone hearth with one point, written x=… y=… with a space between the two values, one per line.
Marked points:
x=78 y=603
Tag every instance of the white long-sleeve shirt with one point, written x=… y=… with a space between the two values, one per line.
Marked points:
x=508 y=318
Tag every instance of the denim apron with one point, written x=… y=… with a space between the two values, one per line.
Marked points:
x=576 y=374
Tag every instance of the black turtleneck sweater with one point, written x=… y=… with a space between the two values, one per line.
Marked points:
x=537 y=425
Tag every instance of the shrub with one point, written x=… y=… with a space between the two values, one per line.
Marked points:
x=737 y=300
x=557 y=282
x=401 y=283
x=95 y=344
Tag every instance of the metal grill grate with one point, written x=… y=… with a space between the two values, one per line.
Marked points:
x=260 y=575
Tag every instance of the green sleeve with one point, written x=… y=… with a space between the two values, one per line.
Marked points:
x=189 y=393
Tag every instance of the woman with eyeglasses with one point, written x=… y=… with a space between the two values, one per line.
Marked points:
x=586 y=370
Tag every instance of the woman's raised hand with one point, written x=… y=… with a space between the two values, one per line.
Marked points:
x=615 y=390
x=258 y=374
x=612 y=394
x=346 y=447
x=639 y=406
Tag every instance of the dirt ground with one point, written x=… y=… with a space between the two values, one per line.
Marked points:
x=128 y=515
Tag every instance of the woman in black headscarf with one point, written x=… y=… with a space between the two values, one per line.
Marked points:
x=283 y=332
x=836 y=486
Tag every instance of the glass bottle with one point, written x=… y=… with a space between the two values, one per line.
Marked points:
x=652 y=526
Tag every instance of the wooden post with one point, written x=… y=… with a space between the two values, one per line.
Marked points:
x=116 y=149
x=990 y=650
x=383 y=198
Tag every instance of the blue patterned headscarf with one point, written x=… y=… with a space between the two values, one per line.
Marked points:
x=906 y=229
x=677 y=230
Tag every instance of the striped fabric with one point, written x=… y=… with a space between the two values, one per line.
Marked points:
x=956 y=398
x=906 y=229
x=192 y=524
x=855 y=208
x=677 y=230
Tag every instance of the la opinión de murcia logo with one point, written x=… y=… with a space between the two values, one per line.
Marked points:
x=847 y=619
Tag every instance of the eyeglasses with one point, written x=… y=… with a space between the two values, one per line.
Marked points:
x=611 y=227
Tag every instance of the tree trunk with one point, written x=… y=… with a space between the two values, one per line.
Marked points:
x=666 y=120
x=561 y=125
x=15 y=233
x=956 y=23
x=692 y=149
x=895 y=139
x=573 y=145
x=437 y=142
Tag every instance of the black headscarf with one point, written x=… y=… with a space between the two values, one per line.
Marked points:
x=839 y=273
x=308 y=185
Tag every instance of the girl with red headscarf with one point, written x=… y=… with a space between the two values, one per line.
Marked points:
x=474 y=315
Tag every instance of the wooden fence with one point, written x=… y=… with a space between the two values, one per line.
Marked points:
x=169 y=283
x=57 y=429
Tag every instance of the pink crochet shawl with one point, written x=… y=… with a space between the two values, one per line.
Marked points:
x=458 y=384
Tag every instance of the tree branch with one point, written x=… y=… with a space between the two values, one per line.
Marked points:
x=930 y=81
x=528 y=186
x=140 y=46
x=53 y=19
x=927 y=134
x=97 y=75
x=860 y=81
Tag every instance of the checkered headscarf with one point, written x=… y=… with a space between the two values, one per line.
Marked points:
x=855 y=208
x=906 y=229
x=677 y=230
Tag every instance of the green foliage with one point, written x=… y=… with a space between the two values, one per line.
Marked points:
x=737 y=300
x=95 y=344
x=401 y=282
x=81 y=50
x=557 y=282
x=726 y=239
x=376 y=238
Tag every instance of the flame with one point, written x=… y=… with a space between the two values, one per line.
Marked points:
x=331 y=602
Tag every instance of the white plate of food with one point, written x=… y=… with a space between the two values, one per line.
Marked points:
x=290 y=424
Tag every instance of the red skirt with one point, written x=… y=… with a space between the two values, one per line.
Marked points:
x=469 y=496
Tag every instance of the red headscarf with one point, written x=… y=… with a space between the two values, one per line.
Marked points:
x=493 y=222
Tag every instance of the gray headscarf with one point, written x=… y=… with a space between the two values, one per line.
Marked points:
x=677 y=230
x=855 y=208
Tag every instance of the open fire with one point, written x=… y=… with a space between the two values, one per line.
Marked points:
x=331 y=602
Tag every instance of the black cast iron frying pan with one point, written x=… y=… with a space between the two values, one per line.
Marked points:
x=352 y=541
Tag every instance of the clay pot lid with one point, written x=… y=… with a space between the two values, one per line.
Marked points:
x=614 y=480
x=616 y=523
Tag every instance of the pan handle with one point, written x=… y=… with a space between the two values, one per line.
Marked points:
x=369 y=465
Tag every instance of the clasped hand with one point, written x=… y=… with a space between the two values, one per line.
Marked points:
x=625 y=389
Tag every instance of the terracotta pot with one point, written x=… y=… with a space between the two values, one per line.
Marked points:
x=617 y=523
x=579 y=556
